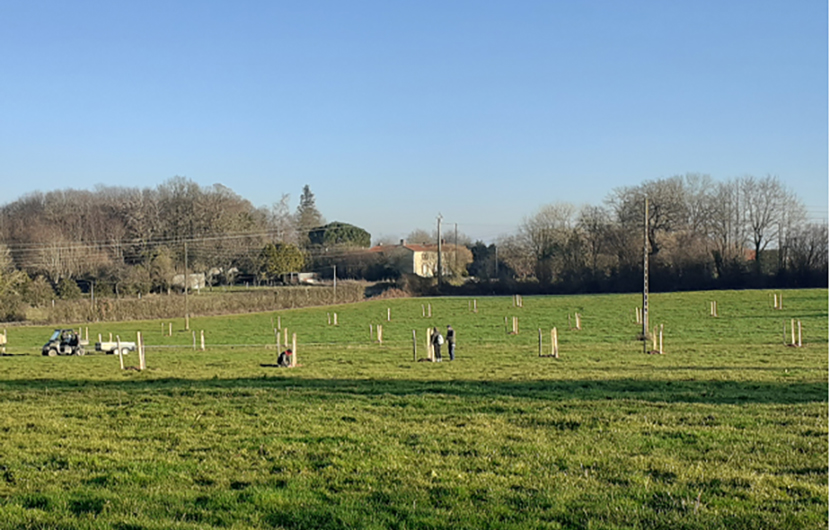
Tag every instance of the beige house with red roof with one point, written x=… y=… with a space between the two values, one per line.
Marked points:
x=421 y=260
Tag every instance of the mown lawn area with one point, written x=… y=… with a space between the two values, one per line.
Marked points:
x=727 y=429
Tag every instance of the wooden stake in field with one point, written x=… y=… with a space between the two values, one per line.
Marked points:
x=335 y=319
x=515 y=326
x=86 y=334
x=430 y=353
x=142 y=363
x=429 y=310
x=388 y=314
x=110 y=336
x=194 y=339
x=277 y=333
x=792 y=332
x=170 y=333
x=554 y=343
x=654 y=339
x=799 y=333
x=203 y=339
x=285 y=333
x=328 y=316
x=505 y=325
x=475 y=306
x=371 y=332
x=279 y=322
x=380 y=334
x=423 y=311
x=414 y=346
x=293 y=350
x=99 y=337
x=120 y=355
x=540 y=342
x=578 y=320
x=661 y=339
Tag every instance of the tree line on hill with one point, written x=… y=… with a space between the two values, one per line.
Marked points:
x=746 y=232
x=702 y=234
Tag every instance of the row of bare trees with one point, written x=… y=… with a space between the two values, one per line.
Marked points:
x=701 y=233
x=129 y=239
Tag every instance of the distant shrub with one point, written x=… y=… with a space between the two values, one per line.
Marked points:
x=68 y=289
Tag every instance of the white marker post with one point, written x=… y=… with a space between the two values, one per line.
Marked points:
x=120 y=355
x=554 y=342
x=293 y=350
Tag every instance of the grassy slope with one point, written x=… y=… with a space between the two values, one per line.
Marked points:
x=727 y=430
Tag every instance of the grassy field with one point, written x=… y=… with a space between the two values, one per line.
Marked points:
x=728 y=429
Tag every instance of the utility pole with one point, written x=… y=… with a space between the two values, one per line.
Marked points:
x=496 y=260
x=186 y=281
x=455 y=253
x=645 y=276
x=335 y=282
x=439 y=249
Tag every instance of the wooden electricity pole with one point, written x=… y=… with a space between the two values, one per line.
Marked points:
x=439 y=250
x=186 y=306
x=645 y=276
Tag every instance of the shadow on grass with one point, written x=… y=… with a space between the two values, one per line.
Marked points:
x=669 y=391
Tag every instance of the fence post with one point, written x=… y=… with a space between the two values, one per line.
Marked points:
x=661 y=339
x=203 y=340
x=141 y=359
x=414 y=346
x=792 y=332
x=430 y=354
x=554 y=342
x=799 y=333
x=294 y=349
x=540 y=342
x=120 y=355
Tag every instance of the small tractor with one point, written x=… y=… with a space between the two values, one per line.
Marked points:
x=65 y=342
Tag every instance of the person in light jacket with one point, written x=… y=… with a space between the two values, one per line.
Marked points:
x=437 y=341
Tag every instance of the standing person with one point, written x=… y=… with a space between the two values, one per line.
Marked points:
x=451 y=342
x=437 y=341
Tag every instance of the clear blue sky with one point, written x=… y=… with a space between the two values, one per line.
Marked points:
x=395 y=111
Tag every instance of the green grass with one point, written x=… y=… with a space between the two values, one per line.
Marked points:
x=727 y=430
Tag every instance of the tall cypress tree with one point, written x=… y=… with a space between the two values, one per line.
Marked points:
x=308 y=216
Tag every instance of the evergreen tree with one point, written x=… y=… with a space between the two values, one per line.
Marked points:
x=308 y=216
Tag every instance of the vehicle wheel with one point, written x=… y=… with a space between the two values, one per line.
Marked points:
x=125 y=351
x=53 y=352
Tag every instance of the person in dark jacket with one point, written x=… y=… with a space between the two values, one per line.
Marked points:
x=284 y=359
x=437 y=340
x=451 y=342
